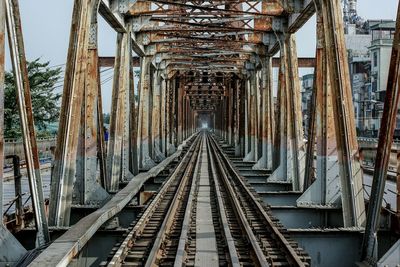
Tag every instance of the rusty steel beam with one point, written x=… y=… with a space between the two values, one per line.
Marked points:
x=296 y=116
x=131 y=131
x=289 y=146
x=17 y=53
x=2 y=87
x=11 y=251
x=210 y=26
x=65 y=158
x=145 y=110
x=156 y=128
x=118 y=145
x=388 y=125
x=271 y=12
x=325 y=190
x=163 y=111
x=87 y=189
x=348 y=153
x=163 y=29
x=303 y=62
x=110 y=61
x=186 y=37
x=266 y=117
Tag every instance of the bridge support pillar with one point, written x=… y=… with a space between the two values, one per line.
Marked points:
x=145 y=110
x=240 y=121
x=251 y=118
x=325 y=191
x=290 y=144
x=80 y=142
x=170 y=113
x=164 y=115
x=119 y=161
x=88 y=189
x=266 y=117
x=350 y=172
x=231 y=111
x=23 y=91
x=156 y=127
x=10 y=249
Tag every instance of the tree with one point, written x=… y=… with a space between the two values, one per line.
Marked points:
x=45 y=101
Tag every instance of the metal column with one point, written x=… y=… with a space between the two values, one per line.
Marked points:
x=291 y=150
x=388 y=125
x=145 y=106
x=156 y=118
x=266 y=116
x=348 y=156
x=17 y=53
x=10 y=249
x=118 y=156
x=325 y=191
x=87 y=188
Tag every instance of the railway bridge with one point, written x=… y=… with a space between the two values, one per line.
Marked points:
x=206 y=162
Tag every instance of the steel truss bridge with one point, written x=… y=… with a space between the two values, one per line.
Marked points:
x=207 y=168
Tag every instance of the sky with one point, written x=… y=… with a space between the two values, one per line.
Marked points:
x=46 y=25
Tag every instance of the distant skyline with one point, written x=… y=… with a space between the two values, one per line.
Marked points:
x=46 y=26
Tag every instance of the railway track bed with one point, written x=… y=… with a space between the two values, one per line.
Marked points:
x=206 y=215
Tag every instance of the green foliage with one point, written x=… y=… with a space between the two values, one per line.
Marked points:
x=106 y=118
x=45 y=101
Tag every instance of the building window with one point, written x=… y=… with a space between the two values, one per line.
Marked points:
x=375 y=59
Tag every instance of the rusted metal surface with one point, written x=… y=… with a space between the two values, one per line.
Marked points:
x=199 y=62
x=17 y=53
x=10 y=249
x=309 y=174
x=266 y=117
x=131 y=133
x=87 y=188
x=2 y=87
x=252 y=118
x=144 y=129
x=110 y=61
x=118 y=156
x=64 y=171
x=325 y=191
x=290 y=147
x=348 y=155
x=303 y=62
x=156 y=129
x=388 y=125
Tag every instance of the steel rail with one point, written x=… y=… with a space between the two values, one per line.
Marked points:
x=233 y=254
x=276 y=234
x=140 y=225
x=183 y=239
x=172 y=211
x=262 y=261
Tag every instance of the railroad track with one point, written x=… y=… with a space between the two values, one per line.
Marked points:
x=205 y=215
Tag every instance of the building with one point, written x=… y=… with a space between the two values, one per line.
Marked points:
x=382 y=33
x=369 y=46
x=306 y=95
